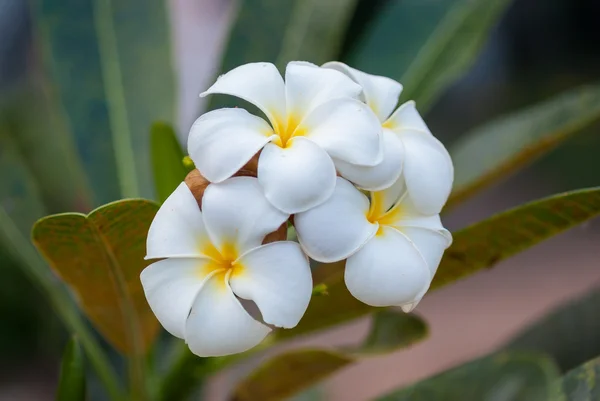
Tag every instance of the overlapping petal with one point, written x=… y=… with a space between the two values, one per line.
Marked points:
x=382 y=175
x=297 y=177
x=218 y=324
x=171 y=285
x=308 y=86
x=428 y=171
x=337 y=228
x=177 y=229
x=277 y=278
x=347 y=129
x=431 y=244
x=258 y=83
x=380 y=93
x=406 y=117
x=222 y=141
x=387 y=270
x=236 y=213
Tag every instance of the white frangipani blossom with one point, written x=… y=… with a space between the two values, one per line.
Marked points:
x=392 y=249
x=408 y=146
x=215 y=255
x=314 y=116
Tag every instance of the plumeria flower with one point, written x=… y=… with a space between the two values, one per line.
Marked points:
x=392 y=249
x=313 y=116
x=409 y=145
x=215 y=255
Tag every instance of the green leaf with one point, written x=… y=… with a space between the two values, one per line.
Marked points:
x=111 y=62
x=71 y=386
x=569 y=333
x=290 y=372
x=100 y=257
x=451 y=49
x=310 y=30
x=167 y=160
x=501 y=377
x=583 y=382
x=501 y=147
x=474 y=248
x=46 y=146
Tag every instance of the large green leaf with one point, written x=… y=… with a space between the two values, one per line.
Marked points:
x=46 y=146
x=111 y=61
x=100 y=257
x=293 y=371
x=71 y=386
x=474 y=248
x=167 y=160
x=451 y=49
x=574 y=330
x=503 y=146
x=583 y=382
x=501 y=377
x=279 y=31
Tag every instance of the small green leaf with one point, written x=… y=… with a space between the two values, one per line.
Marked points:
x=71 y=385
x=167 y=160
x=574 y=329
x=474 y=248
x=100 y=257
x=290 y=372
x=501 y=377
x=501 y=147
x=111 y=63
x=583 y=382
x=451 y=49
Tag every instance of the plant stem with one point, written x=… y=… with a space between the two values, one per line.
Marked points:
x=38 y=272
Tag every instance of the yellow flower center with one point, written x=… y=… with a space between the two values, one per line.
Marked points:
x=223 y=261
x=377 y=212
x=286 y=130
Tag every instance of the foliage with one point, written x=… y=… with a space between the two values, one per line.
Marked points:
x=107 y=80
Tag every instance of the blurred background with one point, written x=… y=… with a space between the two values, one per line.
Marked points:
x=538 y=49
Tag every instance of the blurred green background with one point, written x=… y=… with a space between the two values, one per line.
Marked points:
x=538 y=49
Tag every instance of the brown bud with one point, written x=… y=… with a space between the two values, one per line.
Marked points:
x=197 y=184
x=279 y=235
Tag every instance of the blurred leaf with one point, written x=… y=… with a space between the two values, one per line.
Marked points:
x=279 y=31
x=71 y=386
x=167 y=160
x=583 y=382
x=293 y=371
x=451 y=49
x=100 y=256
x=111 y=61
x=384 y=50
x=474 y=248
x=574 y=328
x=501 y=147
x=501 y=377
x=46 y=146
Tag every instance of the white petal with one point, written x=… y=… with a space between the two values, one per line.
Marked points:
x=387 y=271
x=218 y=324
x=258 y=83
x=348 y=130
x=431 y=244
x=277 y=278
x=236 y=213
x=171 y=285
x=337 y=228
x=428 y=171
x=307 y=86
x=407 y=308
x=382 y=175
x=297 y=177
x=222 y=141
x=406 y=117
x=380 y=93
x=177 y=229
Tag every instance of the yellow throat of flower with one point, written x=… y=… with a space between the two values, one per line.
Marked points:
x=377 y=212
x=287 y=129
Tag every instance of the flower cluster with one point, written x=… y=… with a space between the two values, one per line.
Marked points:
x=359 y=181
